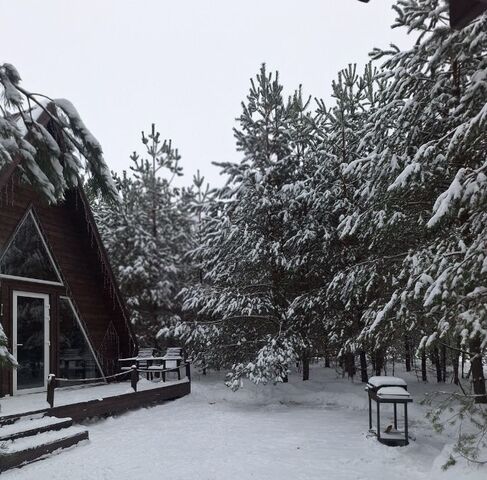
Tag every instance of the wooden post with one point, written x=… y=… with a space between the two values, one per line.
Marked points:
x=395 y=415
x=179 y=372
x=188 y=371
x=134 y=377
x=51 y=385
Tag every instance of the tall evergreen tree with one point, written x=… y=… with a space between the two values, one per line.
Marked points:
x=434 y=116
x=248 y=252
x=148 y=237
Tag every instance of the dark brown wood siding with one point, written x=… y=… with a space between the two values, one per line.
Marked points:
x=66 y=227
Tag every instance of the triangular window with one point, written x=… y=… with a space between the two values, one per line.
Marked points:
x=27 y=255
x=76 y=356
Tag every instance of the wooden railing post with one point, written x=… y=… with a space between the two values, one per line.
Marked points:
x=51 y=385
x=188 y=371
x=134 y=377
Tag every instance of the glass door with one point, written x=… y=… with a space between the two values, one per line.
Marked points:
x=30 y=341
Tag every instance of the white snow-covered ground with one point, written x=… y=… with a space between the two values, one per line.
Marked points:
x=296 y=431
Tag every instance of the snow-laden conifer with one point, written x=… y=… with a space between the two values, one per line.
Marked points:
x=148 y=236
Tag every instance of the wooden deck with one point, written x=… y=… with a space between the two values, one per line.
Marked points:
x=31 y=432
x=102 y=405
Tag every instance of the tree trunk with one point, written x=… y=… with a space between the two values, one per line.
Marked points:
x=350 y=364
x=477 y=370
x=379 y=361
x=455 y=361
x=407 y=350
x=435 y=357
x=424 y=375
x=363 y=367
x=327 y=361
x=306 y=365
x=443 y=363
x=341 y=364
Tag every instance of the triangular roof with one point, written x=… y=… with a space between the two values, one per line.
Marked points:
x=6 y=174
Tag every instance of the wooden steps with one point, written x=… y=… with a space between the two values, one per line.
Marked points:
x=31 y=438
x=33 y=426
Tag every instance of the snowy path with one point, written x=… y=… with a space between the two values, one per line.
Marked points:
x=267 y=433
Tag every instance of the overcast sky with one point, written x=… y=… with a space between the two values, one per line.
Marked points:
x=182 y=64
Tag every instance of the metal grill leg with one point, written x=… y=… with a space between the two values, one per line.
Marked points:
x=378 y=420
x=406 y=432
x=370 y=413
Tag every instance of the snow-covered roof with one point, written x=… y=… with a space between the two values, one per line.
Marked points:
x=386 y=381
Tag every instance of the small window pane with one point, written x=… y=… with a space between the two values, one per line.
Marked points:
x=75 y=357
x=26 y=256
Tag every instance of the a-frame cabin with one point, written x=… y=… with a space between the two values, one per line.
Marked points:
x=60 y=306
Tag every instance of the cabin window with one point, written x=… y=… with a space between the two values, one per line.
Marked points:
x=27 y=256
x=76 y=357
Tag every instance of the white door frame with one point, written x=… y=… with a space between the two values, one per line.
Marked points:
x=45 y=297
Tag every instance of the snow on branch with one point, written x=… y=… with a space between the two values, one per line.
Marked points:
x=27 y=123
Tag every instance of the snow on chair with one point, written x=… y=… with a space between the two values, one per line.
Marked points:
x=389 y=390
x=173 y=359
x=145 y=359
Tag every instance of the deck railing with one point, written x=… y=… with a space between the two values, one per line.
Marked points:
x=133 y=373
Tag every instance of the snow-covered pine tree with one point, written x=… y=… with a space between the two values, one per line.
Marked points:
x=434 y=114
x=51 y=159
x=249 y=252
x=148 y=236
x=345 y=278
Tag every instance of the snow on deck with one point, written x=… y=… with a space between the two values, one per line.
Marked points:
x=69 y=395
x=315 y=430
